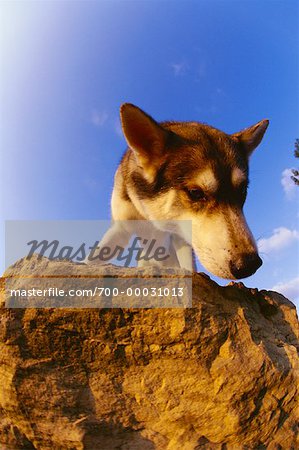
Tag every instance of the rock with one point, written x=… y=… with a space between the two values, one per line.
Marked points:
x=220 y=375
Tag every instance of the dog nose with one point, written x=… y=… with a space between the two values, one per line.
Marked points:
x=245 y=265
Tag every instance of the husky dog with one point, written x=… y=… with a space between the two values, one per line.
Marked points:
x=189 y=171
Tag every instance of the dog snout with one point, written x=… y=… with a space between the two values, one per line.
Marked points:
x=245 y=265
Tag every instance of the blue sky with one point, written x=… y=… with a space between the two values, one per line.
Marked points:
x=67 y=67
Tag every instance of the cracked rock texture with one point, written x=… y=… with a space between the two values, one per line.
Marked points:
x=220 y=375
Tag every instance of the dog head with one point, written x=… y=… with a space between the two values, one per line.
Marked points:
x=191 y=171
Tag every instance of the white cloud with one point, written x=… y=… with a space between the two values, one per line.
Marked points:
x=198 y=70
x=289 y=289
x=98 y=118
x=288 y=184
x=281 y=238
x=179 y=68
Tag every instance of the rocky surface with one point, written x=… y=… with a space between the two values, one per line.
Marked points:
x=220 y=375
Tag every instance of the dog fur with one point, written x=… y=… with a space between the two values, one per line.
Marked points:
x=189 y=171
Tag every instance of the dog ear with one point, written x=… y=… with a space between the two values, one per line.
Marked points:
x=251 y=137
x=144 y=136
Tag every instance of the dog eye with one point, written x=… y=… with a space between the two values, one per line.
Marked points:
x=196 y=194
